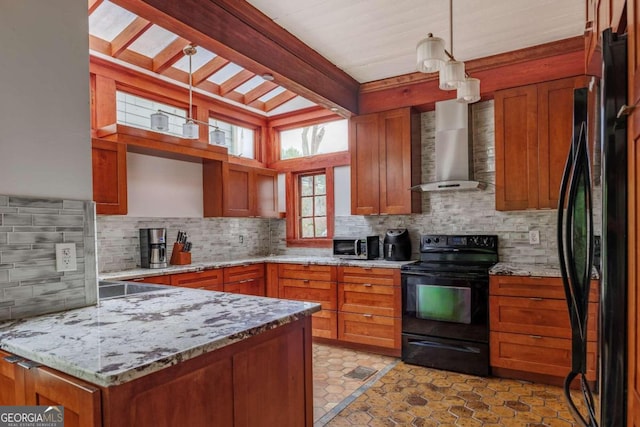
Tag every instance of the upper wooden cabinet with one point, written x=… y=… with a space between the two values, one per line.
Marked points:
x=235 y=190
x=385 y=162
x=534 y=126
x=600 y=15
x=109 y=166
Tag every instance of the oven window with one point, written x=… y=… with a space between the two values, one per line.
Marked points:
x=446 y=303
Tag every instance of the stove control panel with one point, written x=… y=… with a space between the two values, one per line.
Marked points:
x=443 y=241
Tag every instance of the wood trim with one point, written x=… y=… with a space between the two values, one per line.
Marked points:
x=307 y=117
x=242 y=34
x=278 y=100
x=208 y=69
x=231 y=84
x=169 y=55
x=93 y=5
x=259 y=91
x=309 y=163
x=129 y=35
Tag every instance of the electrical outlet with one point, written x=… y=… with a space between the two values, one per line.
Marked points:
x=241 y=239
x=66 y=257
x=534 y=237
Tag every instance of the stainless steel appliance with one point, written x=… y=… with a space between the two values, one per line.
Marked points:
x=445 y=303
x=356 y=248
x=576 y=240
x=153 y=247
x=397 y=245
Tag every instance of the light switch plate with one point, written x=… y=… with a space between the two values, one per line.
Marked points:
x=534 y=237
x=66 y=257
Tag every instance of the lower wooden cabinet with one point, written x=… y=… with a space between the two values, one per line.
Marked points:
x=530 y=332
x=245 y=279
x=379 y=331
x=158 y=280
x=210 y=280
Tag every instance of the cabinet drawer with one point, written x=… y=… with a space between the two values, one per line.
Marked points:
x=307 y=271
x=246 y=287
x=243 y=272
x=368 y=298
x=376 y=276
x=206 y=279
x=381 y=331
x=537 y=316
x=542 y=355
x=325 y=324
x=160 y=280
x=530 y=286
x=310 y=290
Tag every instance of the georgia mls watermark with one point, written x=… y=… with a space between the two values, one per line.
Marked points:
x=31 y=416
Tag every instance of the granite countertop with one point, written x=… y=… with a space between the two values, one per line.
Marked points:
x=122 y=339
x=538 y=270
x=319 y=260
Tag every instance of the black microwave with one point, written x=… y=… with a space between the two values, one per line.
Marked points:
x=356 y=248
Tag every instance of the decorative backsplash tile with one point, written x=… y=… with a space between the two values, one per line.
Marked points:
x=29 y=231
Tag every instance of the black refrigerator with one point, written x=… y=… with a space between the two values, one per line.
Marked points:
x=576 y=239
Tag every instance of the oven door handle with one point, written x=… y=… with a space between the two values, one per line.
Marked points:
x=433 y=344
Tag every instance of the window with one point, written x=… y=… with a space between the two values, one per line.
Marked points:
x=240 y=141
x=135 y=111
x=313 y=206
x=321 y=138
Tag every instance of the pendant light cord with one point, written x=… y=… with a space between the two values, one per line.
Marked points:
x=451 y=27
x=190 y=89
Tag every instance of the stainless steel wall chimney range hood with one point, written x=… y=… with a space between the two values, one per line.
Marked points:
x=454 y=150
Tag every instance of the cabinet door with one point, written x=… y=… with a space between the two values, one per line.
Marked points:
x=238 y=187
x=318 y=291
x=160 y=280
x=11 y=388
x=109 y=167
x=395 y=163
x=377 y=276
x=370 y=329
x=555 y=130
x=266 y=194
x=516 y=122
x=365 y=165
x=246 y=287
x=210 y=280
x=307 y=271
x=243 y=272
x=81 y=401
x=367 y=298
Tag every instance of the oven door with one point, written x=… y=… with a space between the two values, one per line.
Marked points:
x=446 y=305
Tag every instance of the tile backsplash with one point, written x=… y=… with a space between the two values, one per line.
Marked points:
x=447 y=212
x=29 y=230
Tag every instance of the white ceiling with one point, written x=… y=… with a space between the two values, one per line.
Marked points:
x=376 y=39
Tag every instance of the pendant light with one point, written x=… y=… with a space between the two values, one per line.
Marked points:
x=432 y=56
x=190 y=128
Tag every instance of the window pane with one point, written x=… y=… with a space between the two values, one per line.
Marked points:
x=238 y=140
x=321 y=206
x=306 y=186
x=322 y=138
x=306 y=207
x=307 y=228
x=321 y=185
x=321 y=226
x=135 y=111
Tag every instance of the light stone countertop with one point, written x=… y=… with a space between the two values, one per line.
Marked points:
x=122 y=339
x=538 y=270
x=282 y=259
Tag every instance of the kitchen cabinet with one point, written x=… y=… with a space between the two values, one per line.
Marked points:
x=210 y=280
x=530 y=333
x=314 y=283
x=385 y=162
x=600 y=15
x=234 y=190
x=26 y=383
x=245 y=279
x=533 y=130
x=370 y=306
x=159 y=280
x=109 y=167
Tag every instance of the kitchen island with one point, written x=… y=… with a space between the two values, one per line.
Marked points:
x=177 y=357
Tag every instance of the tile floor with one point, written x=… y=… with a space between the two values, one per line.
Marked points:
x=406 y=395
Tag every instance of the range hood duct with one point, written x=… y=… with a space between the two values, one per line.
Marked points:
x=454 y=163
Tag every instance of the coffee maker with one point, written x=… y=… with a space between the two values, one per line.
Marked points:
x=153 y=247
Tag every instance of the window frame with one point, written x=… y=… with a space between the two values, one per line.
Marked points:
x=293 y=206
x=258 y=150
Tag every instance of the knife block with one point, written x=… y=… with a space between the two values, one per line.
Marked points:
x=178 y=257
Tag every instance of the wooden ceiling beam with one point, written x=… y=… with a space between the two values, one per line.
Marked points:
x=169 y=55
x=137 y=59
x=235 y=81
x=258 y=91
x=99 y=45
x=208 y=69
x=245 y=36
x=129 y=35
x=209 y=86
x=278 y=100
x=93 y=5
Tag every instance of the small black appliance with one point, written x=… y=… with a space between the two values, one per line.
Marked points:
x=397 y=245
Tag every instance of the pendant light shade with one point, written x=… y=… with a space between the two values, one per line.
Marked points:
x=190 y=130
x=159 y=122
x=452 y=75
x=469 y=91
x=216 y=137
x=430 y=54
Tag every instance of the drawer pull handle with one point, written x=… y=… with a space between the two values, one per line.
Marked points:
x=305 y=281
x=246 y=281
x=28 y=364
x=368 y=315
x=367 y=285
x=535 y=299
x=12 y=359
x=536 y=337
x=139 y=279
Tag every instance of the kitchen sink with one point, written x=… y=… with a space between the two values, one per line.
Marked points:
x=111 y=289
